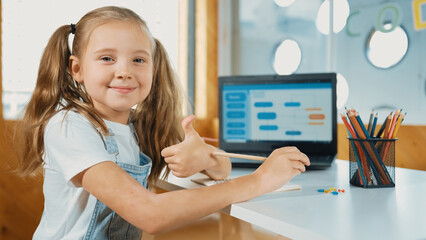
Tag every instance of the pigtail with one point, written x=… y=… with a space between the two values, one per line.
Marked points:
x=157 y=119
x=55 y=89
x=43 y=103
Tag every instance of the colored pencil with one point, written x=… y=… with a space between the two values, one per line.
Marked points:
x=373 y=128
x=370 y=122
x=397 y=125
x=385 y=149
x=382 y=128
x=243 y=156
x=361 y=170
x=355 y=146
x=388 y=123
x=392 y=126
x=392 y=135
x=365 y=166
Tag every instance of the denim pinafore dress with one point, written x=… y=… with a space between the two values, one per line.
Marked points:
x=105 y=223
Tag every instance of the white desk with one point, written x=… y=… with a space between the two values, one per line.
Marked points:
x=359 y=213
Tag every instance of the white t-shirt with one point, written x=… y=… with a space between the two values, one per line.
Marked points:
x=72 y=145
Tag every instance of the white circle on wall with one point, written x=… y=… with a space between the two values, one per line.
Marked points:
x=340 y=14
x=386 y=49
x=284 y=3
x=287 y=57
x=342 y=90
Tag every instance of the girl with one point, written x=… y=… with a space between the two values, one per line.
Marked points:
x=81 y=129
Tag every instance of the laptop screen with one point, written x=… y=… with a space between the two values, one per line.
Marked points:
x=261 y=113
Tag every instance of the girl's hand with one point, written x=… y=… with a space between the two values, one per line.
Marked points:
x=193 y=155
x=280 y=167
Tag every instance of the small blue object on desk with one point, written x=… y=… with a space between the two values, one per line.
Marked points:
x=331 y=190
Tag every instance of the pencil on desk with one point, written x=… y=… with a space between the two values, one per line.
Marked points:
x=243 y=156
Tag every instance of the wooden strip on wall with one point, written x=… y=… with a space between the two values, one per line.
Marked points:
x=1 y=67
x=206 y=67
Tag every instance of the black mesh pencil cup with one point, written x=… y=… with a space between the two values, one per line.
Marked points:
x=372 y=162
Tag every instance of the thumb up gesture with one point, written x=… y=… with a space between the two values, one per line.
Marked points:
x=193 y=155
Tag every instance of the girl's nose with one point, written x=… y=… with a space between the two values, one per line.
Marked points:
x=123 y=72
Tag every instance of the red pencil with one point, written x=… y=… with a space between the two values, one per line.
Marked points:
x=358 y=146
x=392 y=126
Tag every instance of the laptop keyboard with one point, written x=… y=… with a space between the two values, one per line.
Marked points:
x=321 y=158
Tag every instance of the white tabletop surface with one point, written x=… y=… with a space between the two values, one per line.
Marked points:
x=359 y=213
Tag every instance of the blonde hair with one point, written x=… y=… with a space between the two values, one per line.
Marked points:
x=156 y=119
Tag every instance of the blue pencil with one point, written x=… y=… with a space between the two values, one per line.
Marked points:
x=380 y=161
x=373 y=128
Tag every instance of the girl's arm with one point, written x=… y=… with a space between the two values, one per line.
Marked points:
x=156 y=213
x=193 y=155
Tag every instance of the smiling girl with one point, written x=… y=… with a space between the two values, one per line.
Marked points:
x=98 y=153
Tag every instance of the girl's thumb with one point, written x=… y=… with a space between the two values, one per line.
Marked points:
x=187 y=125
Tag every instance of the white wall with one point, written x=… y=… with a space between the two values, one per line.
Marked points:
x=27 y=26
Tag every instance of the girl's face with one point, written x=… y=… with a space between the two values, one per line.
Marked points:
x=116 y=69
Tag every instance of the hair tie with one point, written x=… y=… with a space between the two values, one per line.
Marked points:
x=72 y=28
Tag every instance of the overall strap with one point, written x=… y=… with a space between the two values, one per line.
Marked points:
x=135 y=135
x=109 y=142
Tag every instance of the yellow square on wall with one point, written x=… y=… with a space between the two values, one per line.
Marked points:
x=419 y=24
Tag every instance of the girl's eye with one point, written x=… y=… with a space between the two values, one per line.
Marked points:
x=107 y=59
x=139 y=60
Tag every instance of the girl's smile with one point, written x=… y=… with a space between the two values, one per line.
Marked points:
x=123 y=90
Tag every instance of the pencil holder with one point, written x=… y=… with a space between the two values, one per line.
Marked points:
x=372 y=162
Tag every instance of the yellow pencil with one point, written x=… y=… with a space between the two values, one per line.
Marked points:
x=388 y=123
x=397 y=125
x=392 y=126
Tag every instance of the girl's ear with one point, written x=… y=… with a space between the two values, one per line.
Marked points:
x=74 y=68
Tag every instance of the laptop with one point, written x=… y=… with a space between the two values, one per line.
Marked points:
x=258 y=114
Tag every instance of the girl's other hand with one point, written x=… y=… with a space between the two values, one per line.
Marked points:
x=280 y=167
x=193 y=155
